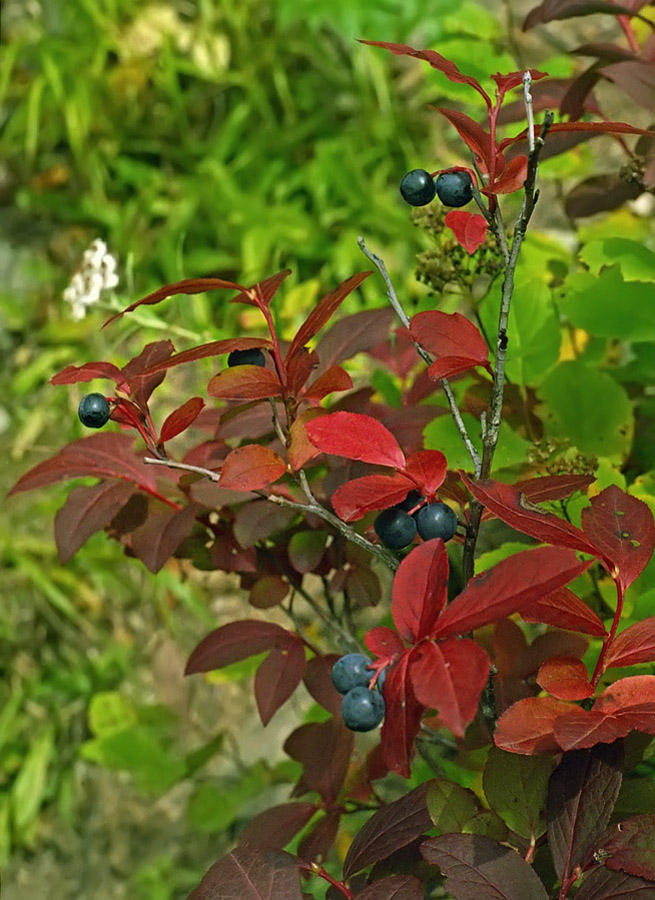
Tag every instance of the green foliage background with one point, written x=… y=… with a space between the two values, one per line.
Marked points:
x=235 y=138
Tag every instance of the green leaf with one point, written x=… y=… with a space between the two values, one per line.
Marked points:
x=29 y=787
x=450 y=806
x=110 y=712
x=516 y=788
x=636 y=261
x=442 y=434
x=589 y=408
x=138 y=751
x=608 y=306
x=487 y=823
x=491 y=557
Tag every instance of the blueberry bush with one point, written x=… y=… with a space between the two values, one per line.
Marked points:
x=485 y=488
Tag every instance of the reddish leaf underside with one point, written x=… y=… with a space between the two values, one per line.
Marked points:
x=553 y=487
x=420 y=590
x=454 y=341
x=205 y=351
x=235 y=641
x=565 y=678
x=527 y=726
x=186 y=286
x=251 y=468
x=87 y=372
x=244 y=383
x=402 y=719
x=180 y=419
x=384 y=642
x=634 y=645
x=427 y=469
x=324 y=749
x=564 y=609
x=86 y=511
x=473 y=135
x=355 y=436
x=355 y=498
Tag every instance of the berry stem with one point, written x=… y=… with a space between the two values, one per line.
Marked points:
x=315 y=869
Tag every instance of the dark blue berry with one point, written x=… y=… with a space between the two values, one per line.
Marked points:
x=436 y=520
x=252 y=357
x=454 y=188
x=395 y=528
x=362 y=709
x=411 y=500
x=382 y=677
x=350 y=672
x=417 y=187
x=93 y=410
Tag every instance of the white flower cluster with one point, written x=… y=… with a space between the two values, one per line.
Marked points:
x=96 y=275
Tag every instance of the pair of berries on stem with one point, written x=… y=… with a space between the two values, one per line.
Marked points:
x=362 y=707
x=453 y=188
x=397 y=526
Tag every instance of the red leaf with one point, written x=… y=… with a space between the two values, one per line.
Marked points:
x=634 y=645
x=87 y=510
x=107 y=455
x=323 y=312
x=550 y=10
x=355 y=498
x=627 y=696
x=635 y=77
x=630 y=847
x=469 y=229
x=622 y=528
x=450 y=677
x=141 y=385
x=334 y=379
x=316 y=843
x=358 y=333
x=580 y=729
x=356 y=436
x=276 y=826
x=204 y=351
x=251 y=468
x=299 y=449
x=402 y=719
x=384 y=642
x=278 y=677
x=564 y=609
x=582 y=128
x=553 y=487
x=427 y=469
x=158 y=538
x=512 y=177
x=527 y=726
x=456 y=343
x=420 y=590
x=248 y=873
x=180 y=419
x=74 y=374
x=437 y=61
x=511 y=585
x=514 y=79
x=235 y=641
x=318 y=682
x=511 y=506
x=471 y=133
x=324 y=749
x=565 y=678
x=245 y=383
x=261 y=293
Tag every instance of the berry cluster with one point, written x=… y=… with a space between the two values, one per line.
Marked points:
x=418 y=188
x=397 y=526
x=362 y=707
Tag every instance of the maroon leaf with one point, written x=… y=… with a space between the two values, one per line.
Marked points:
x=87 y=372
x=512 y=507
x=251 y=468
x=565 y=678
x=427 y=468
x=355 y=436
x=476 y=866
x=158 y=538
x=214 y=348
x=600 y=193
x=564 y=609
x=268 y=591
x=323 y=312
x=324 y=749
x=100 y=456
x=248 y=873
x=141 y=385
x=631 y=847
x=550 y=10
x=403 y=717
x=316 y=844
x=259 y=520
x=622 y=528
x=334 y=379
x=437 y=61
x=262 y=293
x=396 y=887
x=527 y=726
x=355 y=498
x=602 y=884
x=510 y=586
x=384 y=642
x=635 y=77
x=318 y=681
x=186 y=286
x=235 y=641
x=514 y=79
x=420 y=590
x=471 y=133
x=393 y=826
x=244 y=383
x=634 y=645
x=275 y=827
x=581 y=128
x=278 y=677
x=470 y=231
x=456 y=343
x=180 y=419
x=353 y=334
x=582 y=792
x=87 y=510
x=449 y=677
x=553 y=487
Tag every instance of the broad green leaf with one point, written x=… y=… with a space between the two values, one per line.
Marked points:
x=29 y=787
x=636 y=262
x=608 y=306
x=588 y=408
x=487 y=823
x=516 y=788
x=110 y=712
x=450 y=806
x=442 y=434
x=139 y=751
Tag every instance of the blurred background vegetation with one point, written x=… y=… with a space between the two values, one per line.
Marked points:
x=195 y=137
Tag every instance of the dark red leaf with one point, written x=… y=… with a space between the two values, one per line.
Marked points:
x=512 y=177
x=259 y=520
x=87 y=372
x=106 y=455
x=420 y=590
x=512 y=507
x=605 y=52
x=456 y=343
x=470 y=231
x=180 y=419
x=261 y=293
x=86 y=511
x=324 y=749
x=564 y=609
x=363 y=586
x=393 y=826
x=437 y=61
x=278 y=677
x=514 y=79
x=427 y=468
x=383 y=642
x=186 y=286
x=511 y=585
x=355 y=498
x=315 y=845
x=323 y=312
x=565 y=678
x=631 y=847
x=141 y=385
x=299 y=370
x=582 y=128
x=396 y=887
x=334 y=379
x=275 y=827
x=318 y=682
x=476 y=866
x=354 y=334
x=471 y=133
x=450 y=677
x=582 y=792
x=622 y=528
x=634 y=645
x=635 y=77
x=553 y=487
x=550 y=10
x=244 y=383
x=158 y=538
x=602 y=884
x=527 y=726
x=355 y=436
x=600 y=193
x=268 y=591
x=403 y=717
x=251 y=468
x=204 y=351
x=235 y=641
x=248 y=873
